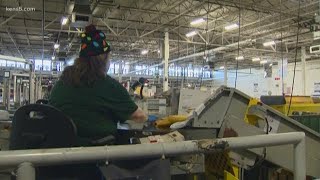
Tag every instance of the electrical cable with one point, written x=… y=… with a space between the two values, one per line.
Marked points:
x=282 y=73
x=177 y=80
x=141 y=91
x=261 y=159
x=239 y=34
x=295 y=60
x=206 y=46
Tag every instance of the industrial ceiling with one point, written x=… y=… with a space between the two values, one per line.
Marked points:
x=136 y=25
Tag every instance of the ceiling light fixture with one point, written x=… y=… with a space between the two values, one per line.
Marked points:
x=221 y=67
x=144 y=52
x=64 y=20
x=192 y=33
x=56 y=45
x=263 y=62
x=239 y=58
x=256 y=59
x=197 y=21
x=53 y=57
x=270 y=65
x=231 y=27
x=269 y=43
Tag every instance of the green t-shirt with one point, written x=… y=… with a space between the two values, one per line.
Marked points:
x=94 y=110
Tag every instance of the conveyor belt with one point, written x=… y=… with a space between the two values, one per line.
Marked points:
x=228 y=108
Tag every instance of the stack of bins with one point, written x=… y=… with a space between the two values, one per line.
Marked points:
x=311 y=121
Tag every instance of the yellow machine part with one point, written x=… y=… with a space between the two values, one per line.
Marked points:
x=299 y=100
x=167 y=121
x=218 y=164
x=314 y=108
x=249 y=118
x=229 y=176
x=236 y=171
x=137 y=91
x=298 y=104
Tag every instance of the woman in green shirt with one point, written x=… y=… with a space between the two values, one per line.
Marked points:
x=94 y=100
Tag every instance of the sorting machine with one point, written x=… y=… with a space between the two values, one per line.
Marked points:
x=230 y=109
x=226 y=110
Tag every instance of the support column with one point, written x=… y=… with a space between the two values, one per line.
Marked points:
x=120 y=71
x=26 y=171
x=32 y=85
x=225 y=73
x=166 y=62
x=4 y=92
x=300 y=160
x=36 y=89
x=18 y=98
x=25 y=93
x=303 y=69
x=14 y=89
x=8 y=93
x=39 y=95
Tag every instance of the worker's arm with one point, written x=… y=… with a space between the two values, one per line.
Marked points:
x=119 y=101
x=139 y=116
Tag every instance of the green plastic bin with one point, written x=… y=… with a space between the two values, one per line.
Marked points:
x=311 y=121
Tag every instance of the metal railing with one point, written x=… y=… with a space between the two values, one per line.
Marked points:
x=27 y=159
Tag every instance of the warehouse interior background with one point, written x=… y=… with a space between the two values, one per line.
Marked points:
x=244 y=50
x=223 y=32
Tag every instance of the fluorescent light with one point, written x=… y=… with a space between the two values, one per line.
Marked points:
x=240 y=58
x=221 y=67
x=197 y=21
x=143 y=52
x=231 y=27
x=56 y=45
x=64 y=21
x=53 y=57
x=192 y=33
x=11 y=58
x=256 y=59
x=263 y=61
x=269 y=43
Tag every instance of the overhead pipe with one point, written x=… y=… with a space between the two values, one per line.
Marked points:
x=45 y=157
x=222 y=48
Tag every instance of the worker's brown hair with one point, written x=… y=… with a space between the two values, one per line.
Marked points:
x=85 y=71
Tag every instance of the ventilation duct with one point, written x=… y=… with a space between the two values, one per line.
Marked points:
x=81 y=14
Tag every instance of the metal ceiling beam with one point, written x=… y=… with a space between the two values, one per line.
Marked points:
x=176 y=17
x=28 y=39
x=147 y=11
x=125 y=36
x=53 y=21
x=5 y=47
x=173 y=6
x=108 y=27
x=135 y=22
x=202 y=38
x=267 y=17
x=139 y=14
x=8 y=19
x=256 y=7
x=14 y=42
x=214 y=20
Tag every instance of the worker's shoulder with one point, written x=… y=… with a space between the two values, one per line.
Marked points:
x=111 y=82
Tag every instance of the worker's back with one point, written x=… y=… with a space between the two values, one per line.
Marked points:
x=95 y=110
